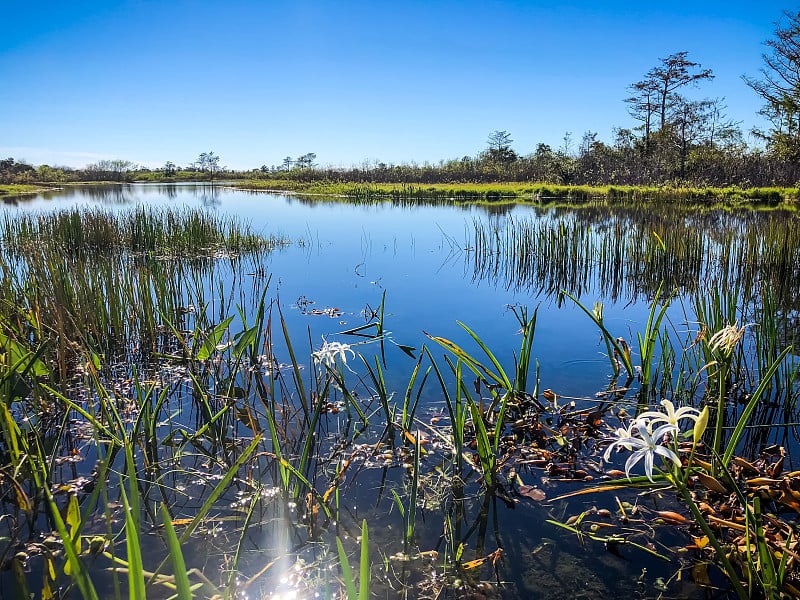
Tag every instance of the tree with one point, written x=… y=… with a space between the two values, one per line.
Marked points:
x=721 y=130
x=208 y=161
x=643 y=105
x=169 y=168
x=689 y=119
x=674 y=72
x=212 y=160
x=565 y=161
x=12 y=171
x=500 y=147
x=109 y=169
x=48 y=173
x=306 y=160
x=120 y=166
x=287 y=163
x=779 y=86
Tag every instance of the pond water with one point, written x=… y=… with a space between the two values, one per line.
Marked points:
x=439 y=264
x=346 y=255
x=424 y=256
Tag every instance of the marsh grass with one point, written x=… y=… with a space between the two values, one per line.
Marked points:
x=629 y=253
x=219 y=435
x=252 y=428
x=12 y=190
x=162 y=233
x=537 y=192
x=109 y=280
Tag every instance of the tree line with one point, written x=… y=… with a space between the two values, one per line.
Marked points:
x=675 y=138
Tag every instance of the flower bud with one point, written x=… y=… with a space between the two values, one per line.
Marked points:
x=700 y=425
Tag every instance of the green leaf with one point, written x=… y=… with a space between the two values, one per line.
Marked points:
x=364 y=581
x=243 y=340
x=74 y=519
x=176 y=554
x=77 y=569
x=208 y=347
x=751 y=405
x=136 y=586
x=347 y=574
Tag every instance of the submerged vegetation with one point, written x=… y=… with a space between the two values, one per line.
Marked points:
x=163 y=433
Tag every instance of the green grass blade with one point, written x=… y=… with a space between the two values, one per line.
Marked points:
x=136 y=585
x=347 y=574
x=485 y=451
x=751 y=405
x=78 y=570
x=364 y=575
x=501 y=373
x=626 y=361
x=298 y=379
x=90 y=418
x=182 y=584
x=209 y=502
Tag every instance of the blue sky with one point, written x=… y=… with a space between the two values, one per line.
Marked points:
x=152 y=81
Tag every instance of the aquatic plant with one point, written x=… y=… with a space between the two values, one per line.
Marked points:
x=529 y=192
x=225 y=431
x=614 y=254
x=363 y=592
x=330 y=351
x=645 y=445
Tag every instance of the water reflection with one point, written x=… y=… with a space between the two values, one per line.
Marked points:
x=626 y=254
x=400 y=202
x=124 y=194
x=207 y=410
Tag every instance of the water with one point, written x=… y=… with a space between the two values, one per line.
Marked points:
x=342 y=259
x=349 y=255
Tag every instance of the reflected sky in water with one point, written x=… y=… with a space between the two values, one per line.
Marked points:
x=345 y=256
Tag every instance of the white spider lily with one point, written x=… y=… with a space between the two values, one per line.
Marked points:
x=646 y=446
x=330 y=350
x=725 y=339
x=622 y=435
x=672 y=416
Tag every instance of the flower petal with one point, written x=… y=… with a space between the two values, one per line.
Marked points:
x=633 y=459
x=667 y=453
x=659 y=433
x=648 y=465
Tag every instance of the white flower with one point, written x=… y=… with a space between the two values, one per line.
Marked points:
x=647 y=446
x=672 y=416
x=622 y=436
x=330 y=350
x=725 y=339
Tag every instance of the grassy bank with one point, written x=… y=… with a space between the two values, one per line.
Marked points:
x=18 y=189
x=533 y=192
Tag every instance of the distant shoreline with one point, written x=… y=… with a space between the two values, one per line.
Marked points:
x=542 y=193
x=492 y=193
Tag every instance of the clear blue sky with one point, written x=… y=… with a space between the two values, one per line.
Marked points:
x=399 y=81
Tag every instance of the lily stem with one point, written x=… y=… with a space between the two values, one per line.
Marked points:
x=712 y=539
